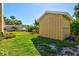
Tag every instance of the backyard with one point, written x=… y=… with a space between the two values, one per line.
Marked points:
x=29 y=44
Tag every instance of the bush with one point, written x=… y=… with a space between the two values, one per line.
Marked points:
x=75 y=27
x=30 y=28
x=8 y=35
x=1 y=34
x=35 y=31
x=14 y=28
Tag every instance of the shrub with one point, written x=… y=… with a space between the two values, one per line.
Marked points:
x=8 y=35
x=35 y=31
x=30 y=28
x=1 y=34
x=75 y=27
x=14 y=28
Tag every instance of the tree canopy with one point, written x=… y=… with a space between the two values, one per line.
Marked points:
x=75 y=23
x=12 y=21
x=76 y=13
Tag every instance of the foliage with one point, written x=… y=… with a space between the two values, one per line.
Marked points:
x=12 y=21
x=18 y=22
x=8 y=22
x=12 y=17
x=36 y=24
x=75 y=27
x=47 y=41
x=14 y=28
x=36 y=30
x=75 y=23
x=30 y=28
x=1 y=34
x=76 y=8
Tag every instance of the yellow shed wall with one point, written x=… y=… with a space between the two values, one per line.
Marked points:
x=66 y=27
x=44 y=27
x=51 y=26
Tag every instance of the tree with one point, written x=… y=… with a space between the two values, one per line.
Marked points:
x=75 y=27
x=76 y=13
x=75 y=23
x=27 y=28
x=7 y=21
x=30 y=28
x=18 y=22
x=5 y=18
x=36 y=24
x=13 y=19
x=14 y=28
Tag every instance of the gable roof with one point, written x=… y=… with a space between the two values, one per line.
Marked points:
x=57 y=12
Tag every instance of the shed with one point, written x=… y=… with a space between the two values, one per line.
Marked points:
x=1 y=20
x=55 y=25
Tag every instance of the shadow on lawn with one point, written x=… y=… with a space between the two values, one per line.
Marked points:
x=42 y=45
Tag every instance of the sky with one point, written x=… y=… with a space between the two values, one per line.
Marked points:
x=28 y=12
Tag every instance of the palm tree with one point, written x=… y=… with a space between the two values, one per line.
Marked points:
x=36 y=24
x=13 y=18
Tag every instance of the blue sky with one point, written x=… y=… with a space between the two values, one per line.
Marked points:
x=28 y=12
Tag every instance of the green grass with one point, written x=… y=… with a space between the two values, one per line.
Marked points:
x=21 y=45
x=28 y=44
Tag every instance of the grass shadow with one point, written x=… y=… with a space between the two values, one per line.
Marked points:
x=42 y=45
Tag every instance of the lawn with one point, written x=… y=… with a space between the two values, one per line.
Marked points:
x=29 y=44
x=21 y=45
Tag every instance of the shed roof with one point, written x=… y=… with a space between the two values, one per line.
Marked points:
x=57 y=12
